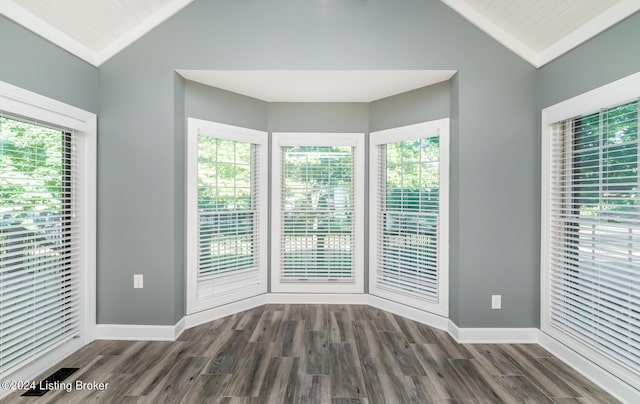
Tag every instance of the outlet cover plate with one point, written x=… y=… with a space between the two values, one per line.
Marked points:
x=137 y=281
x=496 y=302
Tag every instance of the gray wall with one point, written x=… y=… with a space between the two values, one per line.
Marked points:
x=605 y=58
x=454 y=215
x=609 y=56
x=214 y=104
x=421 y=105
x=32 y=63
x=322 y=117
x=180 y=91
x=318 y=117
x=495 y=100
x=494 y=139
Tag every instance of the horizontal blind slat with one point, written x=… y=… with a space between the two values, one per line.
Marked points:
x=317 y=233
x=408 y=217
x=594 y=239
x=40 y=239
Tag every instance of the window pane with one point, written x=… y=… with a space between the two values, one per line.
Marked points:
x=38 y=241
x=409 y=209
x=317 y=208
x=595 y=243
x=226 y=208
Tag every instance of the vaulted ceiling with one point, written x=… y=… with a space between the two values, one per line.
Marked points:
x=541 y=30
x=537 y=30
x=93 y=30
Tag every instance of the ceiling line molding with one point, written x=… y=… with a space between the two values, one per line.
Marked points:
x=318 y=85
x=607 y=19
x=493 y=30
x=604 y=21
x=47 y=31
x=97 y=56
x=144 y=27
x=18 y=14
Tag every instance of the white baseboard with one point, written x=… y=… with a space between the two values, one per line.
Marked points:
x=201 y=317
x=461 y=335
x=453 y=330
x=613 y=385
x=411 y=313
x=179 y=327
x=31 y=369
x=616 y=387
x=317 y=298
x=195 y=319
x=493 y=335
x=140 y=332
x=601 y=377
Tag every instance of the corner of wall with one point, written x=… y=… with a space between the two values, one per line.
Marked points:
x=454 y=201
x=179 y=121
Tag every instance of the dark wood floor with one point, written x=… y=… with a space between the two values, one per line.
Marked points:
x=320 y=354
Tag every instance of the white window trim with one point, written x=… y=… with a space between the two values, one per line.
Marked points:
x=438 y=127
x=197 y=127
x=616 y=93
x=355 y=140
x=24 y=103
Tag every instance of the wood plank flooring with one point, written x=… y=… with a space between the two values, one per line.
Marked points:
x=335 y=354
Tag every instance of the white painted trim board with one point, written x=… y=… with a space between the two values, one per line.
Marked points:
x=596 y=374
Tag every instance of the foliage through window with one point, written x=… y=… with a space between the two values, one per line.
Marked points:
x=317 y=209
x=409 y=221
x=226 y=206
x=409 y=209
x=38 y=241
x=595 y=231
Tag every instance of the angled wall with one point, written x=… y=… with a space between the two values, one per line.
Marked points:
x=420 y=105
x=494 y=139
x=35 y=64
x=495 y=100
x=605 y=58
x=609 y=56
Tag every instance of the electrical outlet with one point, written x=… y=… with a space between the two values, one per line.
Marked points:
x=496 y=302
x=137 y=281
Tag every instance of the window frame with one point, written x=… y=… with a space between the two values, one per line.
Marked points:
x=29 y=105
x=284 y=139
x=616 y=93
x=438 y=128
x=196 y=128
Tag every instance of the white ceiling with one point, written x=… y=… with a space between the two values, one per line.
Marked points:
x=318 y=85
x=93 y=30
x=541 y=30
x=537 y=30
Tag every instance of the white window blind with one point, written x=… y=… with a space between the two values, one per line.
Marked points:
x=227 y=208
x=594 y=232
x=227 y=203
x=409 y=223
x=317 y=213
x=40 y=240
x=317 y=240
x=408 y=198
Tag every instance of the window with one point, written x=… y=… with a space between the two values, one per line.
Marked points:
x=408 y=218
x=227 y=196
x=591 y=232
x=318 y=201
x=47 y=236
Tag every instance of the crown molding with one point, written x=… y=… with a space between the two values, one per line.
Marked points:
x=604 y=21
x=609 y=18
x=20 y=15
x=489 y=27
x=157 y=18
x=47 y=31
